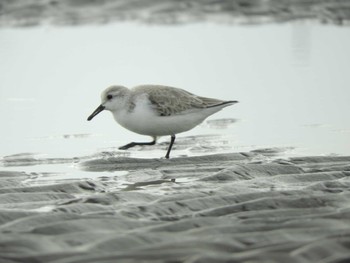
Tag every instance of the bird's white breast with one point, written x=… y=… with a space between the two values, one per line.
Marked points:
x=143 y=119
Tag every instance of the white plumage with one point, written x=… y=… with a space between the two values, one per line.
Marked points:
x=155 y=110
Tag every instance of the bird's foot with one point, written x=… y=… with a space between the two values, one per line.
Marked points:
x=127 y=146
x=132 y=144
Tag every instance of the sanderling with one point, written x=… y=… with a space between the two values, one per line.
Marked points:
x=156 y=110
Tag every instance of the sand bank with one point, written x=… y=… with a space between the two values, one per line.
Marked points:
x=216 y=208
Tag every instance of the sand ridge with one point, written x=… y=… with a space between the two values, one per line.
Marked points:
x=211 y=208
x=82 y=12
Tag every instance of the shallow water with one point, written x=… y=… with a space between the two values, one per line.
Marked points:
x=293 y=92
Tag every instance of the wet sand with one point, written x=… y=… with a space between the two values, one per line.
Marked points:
x=33 y=12
x=235 y=207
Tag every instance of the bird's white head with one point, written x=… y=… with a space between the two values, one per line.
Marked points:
x=113 y=98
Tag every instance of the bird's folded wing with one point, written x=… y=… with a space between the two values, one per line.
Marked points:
x=173 y=101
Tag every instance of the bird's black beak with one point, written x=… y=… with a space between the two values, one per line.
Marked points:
x=97 y=111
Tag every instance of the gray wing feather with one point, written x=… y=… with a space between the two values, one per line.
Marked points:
x=171 y=101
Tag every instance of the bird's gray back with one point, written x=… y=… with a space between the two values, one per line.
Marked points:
x=173 y=101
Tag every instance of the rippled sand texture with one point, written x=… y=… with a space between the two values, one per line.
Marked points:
x=69 y=12
x=217 y=208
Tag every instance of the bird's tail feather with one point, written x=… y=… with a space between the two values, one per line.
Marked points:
x=227 y=103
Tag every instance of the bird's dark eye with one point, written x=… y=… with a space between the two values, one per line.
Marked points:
x=109 y=96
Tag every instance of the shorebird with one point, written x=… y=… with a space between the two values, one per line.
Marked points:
x=156 y=110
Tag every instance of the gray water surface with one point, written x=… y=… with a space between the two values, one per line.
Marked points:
x=291 y=80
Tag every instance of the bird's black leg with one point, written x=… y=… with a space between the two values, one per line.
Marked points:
x=170 y=146
x=132 y=144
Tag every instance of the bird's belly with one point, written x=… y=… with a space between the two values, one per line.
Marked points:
x=159 y=125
